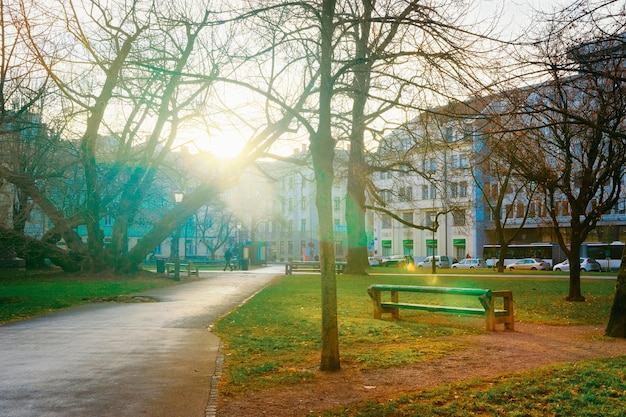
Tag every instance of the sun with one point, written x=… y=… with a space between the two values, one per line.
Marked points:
x=222 y=144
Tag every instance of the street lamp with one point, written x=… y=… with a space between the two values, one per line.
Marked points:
x=434 y=226
x=239 y=249
x=178 y=198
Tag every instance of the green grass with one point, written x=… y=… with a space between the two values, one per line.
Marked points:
x=587 y=388
x=274 y=338
x=28 y=294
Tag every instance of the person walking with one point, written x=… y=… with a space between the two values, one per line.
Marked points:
x=228 y=255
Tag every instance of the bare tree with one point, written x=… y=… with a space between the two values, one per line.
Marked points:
x=573 y=148
x=402 y=59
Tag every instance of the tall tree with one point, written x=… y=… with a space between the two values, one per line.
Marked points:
x=573 y=146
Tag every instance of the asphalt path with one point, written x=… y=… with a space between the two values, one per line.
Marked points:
x=155 y=359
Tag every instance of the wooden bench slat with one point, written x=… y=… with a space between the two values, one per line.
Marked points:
x=310 y=266
x=431 y=307
x=432 y=289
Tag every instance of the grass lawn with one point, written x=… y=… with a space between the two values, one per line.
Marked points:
x=274 y=338
x=588 y=388
x=25 y=294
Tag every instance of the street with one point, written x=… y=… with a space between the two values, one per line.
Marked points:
x=123 y=359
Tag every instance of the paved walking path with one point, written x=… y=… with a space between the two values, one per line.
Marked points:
x=118 y=360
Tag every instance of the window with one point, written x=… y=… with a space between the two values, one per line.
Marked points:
x=433 y=192
x=458 y=218
x=386 y=221
x=303 y=203
x=424 y=192
x=454 y=189
x=463 y=189
x=290 y=226
x=406 y=194
x=407 y=216
x=464 y=161
x=303 y=225
x=337 y=203
x=455 y=161
x=468 y=132
x=290 y=247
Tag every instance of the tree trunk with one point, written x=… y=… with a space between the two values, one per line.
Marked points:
x=617 y=319
x=323 y=152
x=575 y=292
x=357 y=169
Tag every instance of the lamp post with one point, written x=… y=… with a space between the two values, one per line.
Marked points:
x=178 y=198
x=239 y=249
x=434 y=227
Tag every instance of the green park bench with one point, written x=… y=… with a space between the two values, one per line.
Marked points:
x=486 y=297
x=310 y=266
x=190 y=268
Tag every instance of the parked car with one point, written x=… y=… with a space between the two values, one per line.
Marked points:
x=394 y=260
x=442 y=261
x=529 y=263
x=470 y=263
x=586 y=264
x=373 y=261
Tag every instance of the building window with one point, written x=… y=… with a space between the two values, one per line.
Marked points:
x=386 y=221
x=454 y=189
x=406 y=194
x=464 y=161
x=424 y=192
x=337 y=203
x=433 y=192
x=429 y=217
x=290 y=247
x=290 y=226
x=303 y=225
x=407 y=216
x=303 y=203
x=463 y=189
x=458 y=218
x=455 y=161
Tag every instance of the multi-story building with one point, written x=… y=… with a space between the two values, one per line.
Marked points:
x=433 y=186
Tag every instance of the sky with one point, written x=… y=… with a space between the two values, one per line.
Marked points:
x=515 y=17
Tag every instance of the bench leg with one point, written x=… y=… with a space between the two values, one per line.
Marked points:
x=375 y=296
x=509 y=324
x=395 y=312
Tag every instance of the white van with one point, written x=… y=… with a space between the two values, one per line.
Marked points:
x=442 y=261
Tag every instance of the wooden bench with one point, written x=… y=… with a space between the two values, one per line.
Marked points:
x=310 y=266
x=486 y=297
x=190 y=268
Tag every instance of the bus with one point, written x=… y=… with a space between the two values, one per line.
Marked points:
x=608 y=255
x=547 y=252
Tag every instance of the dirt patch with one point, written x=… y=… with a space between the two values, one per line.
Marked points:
x=529 y=346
